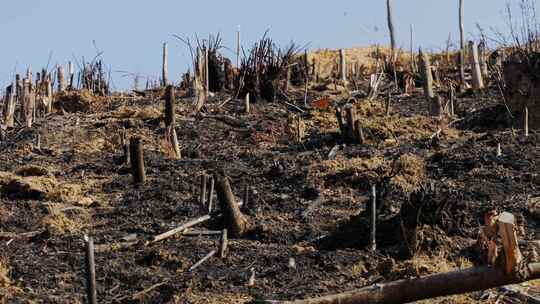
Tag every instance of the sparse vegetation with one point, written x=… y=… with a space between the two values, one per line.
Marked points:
x=287 y=185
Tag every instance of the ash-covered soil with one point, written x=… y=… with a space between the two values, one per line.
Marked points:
x=75 y=182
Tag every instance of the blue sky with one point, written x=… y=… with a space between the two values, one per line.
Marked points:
x=131 y=32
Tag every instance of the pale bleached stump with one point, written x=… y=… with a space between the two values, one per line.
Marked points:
x=342 y=65
x=427 y=75
x=48 y=95
x=478 y=83
x=61 y=79
x=9 y=106
x=434 y=103
x=71 y=71
x=462 y=45
x=483 y=57
x=165 y=66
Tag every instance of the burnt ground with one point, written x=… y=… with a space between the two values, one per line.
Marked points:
x=78 y=184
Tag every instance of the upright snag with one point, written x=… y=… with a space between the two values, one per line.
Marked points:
x=482 y=57
x=288 y=79
x=198 y=87
x=91 y=290
x=462 y=46
x=437 y=106
x=526 y=121
x=48 y=98
x=206 y=73
x=452 y=98
x=165 y=66
x=390 y=17
x=427 y=77
x=359 y=134
x=9 y=106
x=350 y=117
x=125 y=147
x=342 y=65
x=339 y=117
x=137 y=161
x=388 y=101
x=174 y=144
x=28 y=102
x=29 y=74
x=71 y=72
x=223 y=244
x=170 y=120
x=478 y=83
x=246 y=104
x=170 y=101
x=373 y=239
x=202 y=194
x=211 y=195
x=61 y=79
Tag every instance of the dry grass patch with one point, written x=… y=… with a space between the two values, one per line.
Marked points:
x=144 y=113
x=62 y=220
x=409 y=171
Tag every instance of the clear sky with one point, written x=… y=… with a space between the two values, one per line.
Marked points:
x=131 y=32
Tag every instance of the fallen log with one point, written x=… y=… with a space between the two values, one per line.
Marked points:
x=179 y=229
x=428 y=287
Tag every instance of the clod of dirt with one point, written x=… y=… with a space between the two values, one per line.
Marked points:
x=37 y=183
x=30 y=187
x=32 y=171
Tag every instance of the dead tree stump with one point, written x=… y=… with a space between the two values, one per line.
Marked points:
x=170 y=102
x=478 y=82
x=427 y=76
x=137 y=161
x=235 y=222
x=61 y=79
x=351 y=128
x=409 y=217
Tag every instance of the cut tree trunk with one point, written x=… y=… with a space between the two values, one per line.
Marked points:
x=137 y=161
x=170 y=102
x=431 y=286
x=235 y=222
x=478 y=82
x=427 y=76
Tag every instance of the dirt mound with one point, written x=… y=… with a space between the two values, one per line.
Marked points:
x=37 y=183
x=145 y=113
x=79 y=101
x=364 y=172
